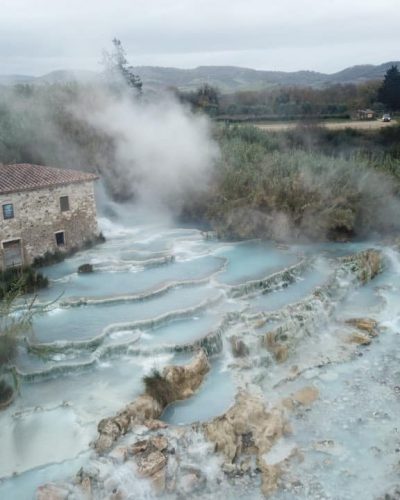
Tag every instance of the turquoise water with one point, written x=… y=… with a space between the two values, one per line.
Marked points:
x=89 y=383
x=183 y=331
x=249 y=261
x=293 y=293
x=213 y=398
x=80 y=323
x=132 y=280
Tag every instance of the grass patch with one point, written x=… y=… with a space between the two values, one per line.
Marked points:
x=159 y=388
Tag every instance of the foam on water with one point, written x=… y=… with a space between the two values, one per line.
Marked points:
x=131 y=280
x=86 y=322
x=304 y=286
x=348 y=437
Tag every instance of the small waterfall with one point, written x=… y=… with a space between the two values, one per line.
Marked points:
x=273 y=322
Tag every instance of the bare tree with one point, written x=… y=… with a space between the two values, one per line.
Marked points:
x=117 y=70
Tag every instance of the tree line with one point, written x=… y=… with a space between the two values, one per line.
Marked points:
x=335 y=101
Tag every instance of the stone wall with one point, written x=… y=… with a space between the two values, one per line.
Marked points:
x=38 y=216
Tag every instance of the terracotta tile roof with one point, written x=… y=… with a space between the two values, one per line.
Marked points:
x=27 y=177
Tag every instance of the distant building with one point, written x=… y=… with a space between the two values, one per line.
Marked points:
x=365 y=114
x=44 y=209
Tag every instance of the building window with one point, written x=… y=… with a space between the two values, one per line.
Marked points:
x=60 y=238
x=8 y=211
x=64 y=203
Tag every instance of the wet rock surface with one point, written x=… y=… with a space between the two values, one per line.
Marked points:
x=239 y=348
x=306 y=396
x=85 y=269
x=110 y=429
x=248 y=428
x=316 y=386
x=368 y=325
x=179 y=382
x=52 y=492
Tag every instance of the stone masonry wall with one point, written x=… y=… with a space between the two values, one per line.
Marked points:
x=38 y=216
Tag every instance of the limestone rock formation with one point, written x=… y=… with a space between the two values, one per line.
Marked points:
x=359 y=338
x=52 y=492
x=110 y=429
x=272 y=341
x=365 y=324
x=300 y=319
x=306 y=396
x=270 y=475
x=367 y=330
x=187 y=379
x=239 y=348
x=248 y=428
x=366 y=265
x=175 y=383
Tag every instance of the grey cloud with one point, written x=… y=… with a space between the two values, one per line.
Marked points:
x=34 y=35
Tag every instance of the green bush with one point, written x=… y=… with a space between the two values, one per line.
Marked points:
x=6 y=392
x=263 y=189
x=8 y=347
x=25 y=280
x=159 y=388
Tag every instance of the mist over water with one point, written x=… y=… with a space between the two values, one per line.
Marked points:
x=161 y=149
x=159 y=291
x=150 y=149
x=75 y=385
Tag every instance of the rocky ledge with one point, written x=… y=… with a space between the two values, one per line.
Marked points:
x=173 y=384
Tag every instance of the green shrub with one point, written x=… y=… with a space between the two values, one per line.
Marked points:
x=6 y=391
x=8 y=347
x=268 y=191
x=49 y=258
x=23 y=280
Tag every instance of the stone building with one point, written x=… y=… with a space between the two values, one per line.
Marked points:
x=44 y=209
x=365 y=114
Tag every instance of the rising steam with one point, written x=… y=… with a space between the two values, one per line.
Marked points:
x=161 y=149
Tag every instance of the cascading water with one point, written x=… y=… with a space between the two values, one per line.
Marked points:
x=158 y=294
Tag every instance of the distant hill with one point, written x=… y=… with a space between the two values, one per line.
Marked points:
x=62 y=76
x=59 y=76
x=14 y=79
x=226 y=78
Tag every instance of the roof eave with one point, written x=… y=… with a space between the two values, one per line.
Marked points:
x=48 y=186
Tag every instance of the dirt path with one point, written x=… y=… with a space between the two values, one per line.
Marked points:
x=363 y=125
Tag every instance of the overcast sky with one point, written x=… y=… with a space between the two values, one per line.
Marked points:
x=38 y=36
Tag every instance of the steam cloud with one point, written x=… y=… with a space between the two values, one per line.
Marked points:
x=152 y=150
x=161 y=149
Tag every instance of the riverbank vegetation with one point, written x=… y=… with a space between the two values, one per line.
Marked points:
x=308 y=181
x=298 y=184
x=13 y=323
x=21 y=280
